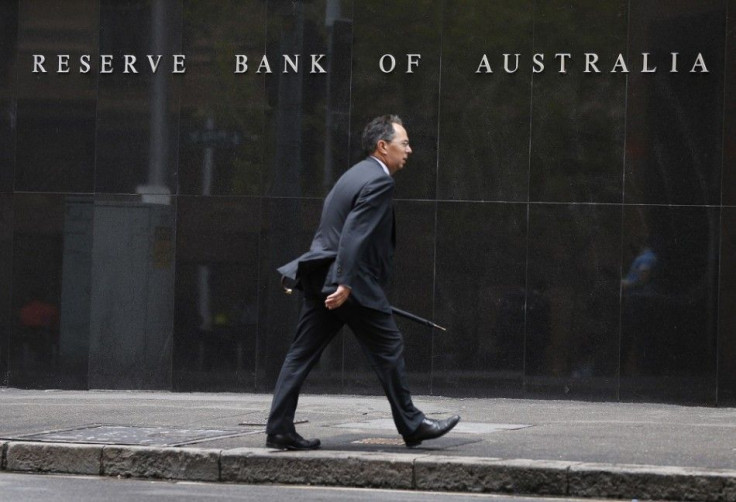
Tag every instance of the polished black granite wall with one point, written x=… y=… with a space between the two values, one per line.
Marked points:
x=575 y=232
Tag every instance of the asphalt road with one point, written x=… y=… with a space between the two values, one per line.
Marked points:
x=52 y=488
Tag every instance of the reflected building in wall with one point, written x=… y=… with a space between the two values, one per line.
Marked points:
x=573 y=230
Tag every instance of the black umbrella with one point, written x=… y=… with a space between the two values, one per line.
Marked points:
x=398 y=312
x=416 y=318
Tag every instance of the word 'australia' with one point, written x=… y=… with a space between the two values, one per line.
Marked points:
x=592 y=64
x=290 y=63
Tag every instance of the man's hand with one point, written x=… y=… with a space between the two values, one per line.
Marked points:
x=337 y=298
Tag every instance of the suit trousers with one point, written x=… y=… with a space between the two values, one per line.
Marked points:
x=380 y=340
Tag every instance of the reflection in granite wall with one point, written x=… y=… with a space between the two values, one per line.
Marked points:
x=131 y=293
x=138 y=114
x=37 y=251
x=485 y=126
x=216 y=320
x=480 y=297
x=55 y=147
x=221 y=146
x=8 y=50
x=305 y=110
x=727 y=291
x=669 y=307
x=674 y=140
x=728 y=183
x=572 y=268
x=567 y=212
x=578 y=118
x=76 y=294
x=726 y=314
x=6 y=278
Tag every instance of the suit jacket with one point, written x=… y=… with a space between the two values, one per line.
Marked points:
x=356 y=237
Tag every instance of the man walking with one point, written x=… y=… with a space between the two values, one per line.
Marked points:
x=343 y=277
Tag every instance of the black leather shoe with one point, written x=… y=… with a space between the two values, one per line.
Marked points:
x=292 y=441
x=430 y=429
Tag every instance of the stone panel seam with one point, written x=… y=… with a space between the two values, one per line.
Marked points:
x=3 y=455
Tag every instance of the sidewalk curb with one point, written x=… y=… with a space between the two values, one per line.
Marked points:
x=191 y=464
x=331 y=468
x=53 y=457
x=408 y=471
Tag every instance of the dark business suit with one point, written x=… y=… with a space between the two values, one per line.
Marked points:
x=353 y=246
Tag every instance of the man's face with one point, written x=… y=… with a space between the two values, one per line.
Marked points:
x=396 y=151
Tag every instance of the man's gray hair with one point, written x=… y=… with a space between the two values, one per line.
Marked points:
x=380 y=128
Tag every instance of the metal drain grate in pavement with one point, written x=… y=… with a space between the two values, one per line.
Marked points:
x=129 y=435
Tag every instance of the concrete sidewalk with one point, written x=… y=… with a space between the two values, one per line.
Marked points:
x=566 y=448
